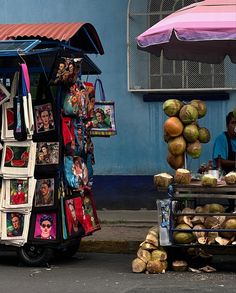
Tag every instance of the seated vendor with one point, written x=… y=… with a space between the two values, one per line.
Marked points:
x=224 y=150
x=225 y=145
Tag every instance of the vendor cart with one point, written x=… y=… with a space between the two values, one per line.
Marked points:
x=198 y=213
x=33 y=51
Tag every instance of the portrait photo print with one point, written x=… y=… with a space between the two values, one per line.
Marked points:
x=15 y=225
x=47 y=153
x=45 y=226
x=44 y=192
x=44 y=118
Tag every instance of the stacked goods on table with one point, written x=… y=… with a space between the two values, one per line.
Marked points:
x=183 y=176
x=205 y=224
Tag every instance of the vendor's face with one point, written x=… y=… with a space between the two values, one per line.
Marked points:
x=231 y=127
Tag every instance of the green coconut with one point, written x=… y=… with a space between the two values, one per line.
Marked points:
x=177 y=145
x=188 y=114
x=183 y=237
x=194 y=149
x=200 y=106
x=204 y=135
x=172 y=107
x=190 y=132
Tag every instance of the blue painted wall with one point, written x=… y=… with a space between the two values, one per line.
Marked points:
x=138 y=149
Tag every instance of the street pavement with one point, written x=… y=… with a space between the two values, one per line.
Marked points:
x=109 y=273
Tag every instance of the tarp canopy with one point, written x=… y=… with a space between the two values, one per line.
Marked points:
x=79 y=35
x=76 y=39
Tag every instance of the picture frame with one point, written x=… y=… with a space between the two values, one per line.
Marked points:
x=4 y=94
x=18 y=192
x=104 y=119
x=47 y=153
x=18 y=159
x=44 y=118
x=15 y=225
x=45 y=227
x=45 y=192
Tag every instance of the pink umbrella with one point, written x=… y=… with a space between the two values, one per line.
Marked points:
x=203 y=32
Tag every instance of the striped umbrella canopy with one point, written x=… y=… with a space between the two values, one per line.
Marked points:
x=203 y=32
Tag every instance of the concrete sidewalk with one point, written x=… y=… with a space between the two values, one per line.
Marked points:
x=121 y=231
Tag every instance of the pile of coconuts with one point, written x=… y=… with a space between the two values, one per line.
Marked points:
x=182 y=131
x=150 y=258
x=192 y=222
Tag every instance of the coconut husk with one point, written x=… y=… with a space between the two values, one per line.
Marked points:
x=188 y=211
x=198 y=220
x=147 y=246
x=144 y=255
x=230 y=178
x=158 y=254
x=222 y=241
x=179 y=265
x=207 y=269
x=163 y=179
x=211 y=222
x=182 y=176
x=202 y=240
x=208 y=180
x=216 y=208
x=156 y=266
x=138 y=265
x=199 y=210
x=185 y=220
x=199 y=234
x=152 y=238
x=211 y=236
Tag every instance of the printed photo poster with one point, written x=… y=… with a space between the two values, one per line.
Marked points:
x=74 y=217
x=44 y=192
x=45 y=226
x=15 y=225
x=44 y=118
x=19 y=192
x=47 y=153
x=18 y=158
x=104 y=119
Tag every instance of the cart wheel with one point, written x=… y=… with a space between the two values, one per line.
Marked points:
x=34 y=255
x=68 y=251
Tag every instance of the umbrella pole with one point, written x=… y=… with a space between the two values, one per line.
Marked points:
x=185 y=160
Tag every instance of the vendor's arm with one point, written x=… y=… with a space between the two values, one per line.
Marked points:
x=220 y=148
x=226 y=164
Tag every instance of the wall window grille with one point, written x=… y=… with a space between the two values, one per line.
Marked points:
x=149 y=73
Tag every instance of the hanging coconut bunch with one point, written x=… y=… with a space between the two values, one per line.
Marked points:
x=182 y=132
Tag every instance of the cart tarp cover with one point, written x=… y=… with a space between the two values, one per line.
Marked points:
x=79 y=35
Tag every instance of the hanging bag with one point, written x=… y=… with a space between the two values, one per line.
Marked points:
x=20 y=133
x=103 y=122
x=46 y=118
